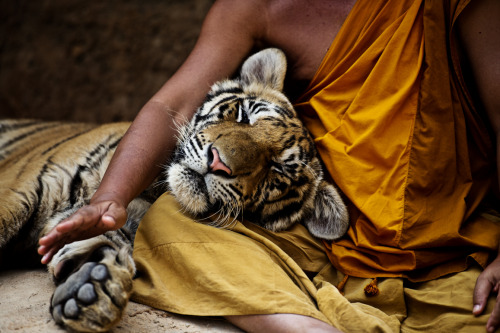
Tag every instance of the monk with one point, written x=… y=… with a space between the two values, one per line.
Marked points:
x=402 y=98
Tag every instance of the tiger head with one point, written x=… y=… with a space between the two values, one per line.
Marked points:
x=246 y=154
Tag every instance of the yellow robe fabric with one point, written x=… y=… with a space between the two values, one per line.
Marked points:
x=399 y=135
x=194 y=269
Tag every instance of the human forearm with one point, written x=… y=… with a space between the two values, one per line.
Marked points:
x=137 y=161
x=140 y=155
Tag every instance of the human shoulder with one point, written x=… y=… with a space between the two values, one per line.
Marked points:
x=246 y=16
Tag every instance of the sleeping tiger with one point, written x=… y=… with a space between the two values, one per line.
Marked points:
x=245 y=154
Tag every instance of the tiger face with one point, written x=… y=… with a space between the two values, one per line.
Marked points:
x=246 y=154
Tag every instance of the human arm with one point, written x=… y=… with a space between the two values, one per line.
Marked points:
x=223 y=43
x=479 y=33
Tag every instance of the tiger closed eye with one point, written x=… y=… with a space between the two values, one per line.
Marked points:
x=278 y=168
x=242 y=116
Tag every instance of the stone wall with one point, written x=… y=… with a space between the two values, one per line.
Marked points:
x=93 y=61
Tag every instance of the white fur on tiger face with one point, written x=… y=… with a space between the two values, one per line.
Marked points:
x=246 y=154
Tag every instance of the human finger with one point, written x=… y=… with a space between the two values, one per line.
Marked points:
x=481 y=292
x=494 y=320
x=52 y=237
x=58 y=237
x=47 y=257
x=87 y=222
x=115 y=217
x=73 y=223
x=86 y=217
x=50 y=249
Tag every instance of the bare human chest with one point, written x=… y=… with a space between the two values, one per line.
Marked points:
x=304 y=30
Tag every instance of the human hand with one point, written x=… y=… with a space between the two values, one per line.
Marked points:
x=487 y=282
x=89 y=221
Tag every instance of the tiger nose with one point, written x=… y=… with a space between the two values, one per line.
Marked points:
x=215 y=163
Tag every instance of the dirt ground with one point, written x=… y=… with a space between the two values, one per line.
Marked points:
x=91 y=61
x=24 y=307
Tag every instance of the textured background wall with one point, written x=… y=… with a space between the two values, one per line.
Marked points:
x=94 y=61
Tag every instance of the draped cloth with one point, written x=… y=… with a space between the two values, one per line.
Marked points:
x=399 y=135
x=194 y=269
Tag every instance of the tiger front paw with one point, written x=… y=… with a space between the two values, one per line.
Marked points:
x=93 y=298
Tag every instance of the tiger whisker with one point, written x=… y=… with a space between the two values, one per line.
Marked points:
x=234 y=210
x=160 y=183
x=217 y=213
x=182 y=131
x=224 y=215
x=235 y=218
x=182 y=210
x=218 y=220
x=227 y=215
x=308 y=167
x=228 y=224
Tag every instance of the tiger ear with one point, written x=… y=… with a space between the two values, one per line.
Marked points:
x=266 y=67
x=330 y=219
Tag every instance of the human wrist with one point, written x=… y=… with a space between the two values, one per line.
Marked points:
x=109 y=196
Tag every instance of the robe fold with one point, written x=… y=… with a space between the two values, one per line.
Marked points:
x=398 y=133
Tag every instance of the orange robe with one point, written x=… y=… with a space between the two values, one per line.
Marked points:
x=399 y=135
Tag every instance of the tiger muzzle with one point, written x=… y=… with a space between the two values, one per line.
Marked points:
x=235 y=153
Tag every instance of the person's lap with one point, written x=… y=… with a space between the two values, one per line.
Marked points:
x=190 y=268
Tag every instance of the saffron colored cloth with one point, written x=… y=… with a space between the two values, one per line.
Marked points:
x=399 y=135
x=193 y=269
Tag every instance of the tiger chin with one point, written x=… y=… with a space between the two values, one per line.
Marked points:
x=245 y=154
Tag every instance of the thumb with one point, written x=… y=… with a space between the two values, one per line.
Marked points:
x=481 y=292
x=115 y=217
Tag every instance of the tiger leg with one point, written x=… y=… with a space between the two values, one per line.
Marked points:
x=94 y=277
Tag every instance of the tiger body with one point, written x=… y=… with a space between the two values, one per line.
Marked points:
x=47 y=169
x=245 y=154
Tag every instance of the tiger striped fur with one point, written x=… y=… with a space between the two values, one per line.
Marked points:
x=245 y=154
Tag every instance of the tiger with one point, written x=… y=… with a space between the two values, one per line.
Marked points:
x=245 y=154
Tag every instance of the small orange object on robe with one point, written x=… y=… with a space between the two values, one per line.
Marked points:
x=399 y=135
